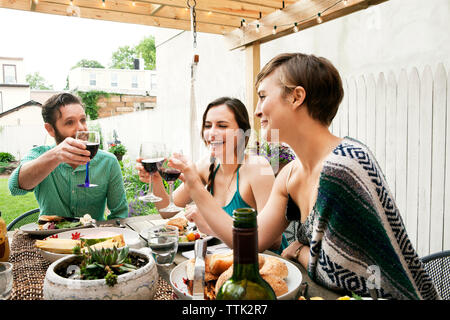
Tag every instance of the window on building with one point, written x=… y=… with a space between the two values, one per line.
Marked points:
x=134 y=81
x=114 y=80
x=92 y=79
x=153 y=82
x=9 y=73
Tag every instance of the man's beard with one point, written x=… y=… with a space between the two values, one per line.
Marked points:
x=58 y=136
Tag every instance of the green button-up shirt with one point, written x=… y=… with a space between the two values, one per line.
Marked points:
x=59 y=195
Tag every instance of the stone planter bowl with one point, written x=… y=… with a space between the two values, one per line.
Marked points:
x=135 y=285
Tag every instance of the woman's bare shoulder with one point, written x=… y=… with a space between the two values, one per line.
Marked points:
x=257 y=165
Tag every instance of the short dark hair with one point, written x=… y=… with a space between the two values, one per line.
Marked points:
x=50 y=109
x=317 y=75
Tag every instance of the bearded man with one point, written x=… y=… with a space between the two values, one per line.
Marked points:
x=53 y=172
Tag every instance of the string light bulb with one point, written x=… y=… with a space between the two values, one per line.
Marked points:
x=345 y=2
x=243 y=23
x=257 y=27
x=133 y=3
x=103 y=3
x=274 y=30
x=71 y=2
x=319 y=18
x=295 y=27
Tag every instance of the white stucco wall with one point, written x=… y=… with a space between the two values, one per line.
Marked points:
x=390 y=36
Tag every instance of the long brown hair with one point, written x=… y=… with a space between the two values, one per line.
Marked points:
x=317 y=75
x=240 y=115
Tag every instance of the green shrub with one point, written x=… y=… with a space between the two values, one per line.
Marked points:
x=6 y=157
x=135 y=188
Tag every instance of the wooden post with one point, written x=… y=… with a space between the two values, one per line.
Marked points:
x=252 y=68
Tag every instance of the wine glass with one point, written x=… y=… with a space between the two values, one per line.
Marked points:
x=170 y=175
x=92 y=141
x=151 y=153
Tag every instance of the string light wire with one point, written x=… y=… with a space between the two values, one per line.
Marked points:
x=318 y=16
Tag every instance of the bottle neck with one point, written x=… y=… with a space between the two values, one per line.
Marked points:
x=245 y=252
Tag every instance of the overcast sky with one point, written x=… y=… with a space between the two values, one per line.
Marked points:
x=52 y=44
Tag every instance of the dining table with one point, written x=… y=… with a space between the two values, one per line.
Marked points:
x=29 y=266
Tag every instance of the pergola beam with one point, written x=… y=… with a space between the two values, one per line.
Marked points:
x=303 y=12
x=117 y=16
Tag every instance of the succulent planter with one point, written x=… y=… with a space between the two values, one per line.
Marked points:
x=139 y=284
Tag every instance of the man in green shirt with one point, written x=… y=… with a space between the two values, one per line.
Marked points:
x=53 y=172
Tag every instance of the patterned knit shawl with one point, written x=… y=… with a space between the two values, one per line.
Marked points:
x=358 y=231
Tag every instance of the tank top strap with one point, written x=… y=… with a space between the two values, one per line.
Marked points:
x=214 y=175
x=237 y=180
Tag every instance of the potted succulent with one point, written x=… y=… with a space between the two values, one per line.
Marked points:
x=106 y=274
x=118 y=150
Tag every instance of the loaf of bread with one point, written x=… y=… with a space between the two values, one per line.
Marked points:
x=274 y=266
x=190 y=267
x=219 y=268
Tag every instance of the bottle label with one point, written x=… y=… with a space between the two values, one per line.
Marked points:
x=245 y=245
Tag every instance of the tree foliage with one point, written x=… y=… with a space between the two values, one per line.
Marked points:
x=36 y=81
x=123 y=57
x=85 y=63
x=147 y=50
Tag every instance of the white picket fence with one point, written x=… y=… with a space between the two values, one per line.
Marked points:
x=405 y=120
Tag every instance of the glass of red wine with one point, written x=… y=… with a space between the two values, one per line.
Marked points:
x=92 y=141
x=170 y=175
x=151 y=153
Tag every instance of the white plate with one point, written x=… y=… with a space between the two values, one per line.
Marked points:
x=131 y=239
x=293 y=280
x=33 y=229
x=144 y=235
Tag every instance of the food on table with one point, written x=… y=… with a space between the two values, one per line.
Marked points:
x=45 y=218
x=86 y=219
x=184 y=234
x=95 y=241
x=219 y=268
x=56 y=245
x=52 y=222
x=220 y=262
x=115 y=241
x=181 y=223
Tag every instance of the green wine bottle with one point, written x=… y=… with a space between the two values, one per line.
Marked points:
x=246 y=283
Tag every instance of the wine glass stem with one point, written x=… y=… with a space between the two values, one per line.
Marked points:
x=151 y=184
x=171 y=193
x=86 y=182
